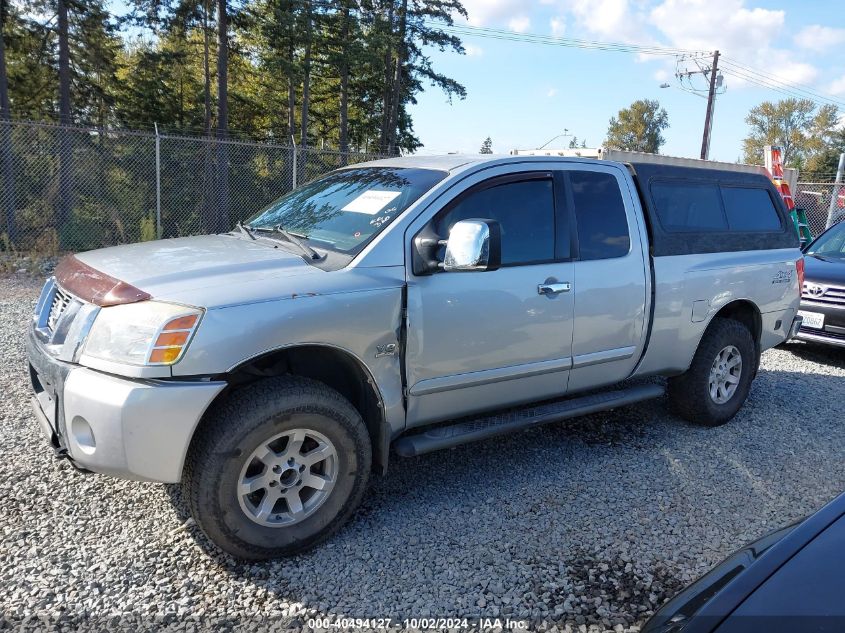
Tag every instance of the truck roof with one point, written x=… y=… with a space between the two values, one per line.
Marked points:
x=454 y=162
x=650 y=163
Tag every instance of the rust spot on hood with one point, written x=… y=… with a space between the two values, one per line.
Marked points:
x=89 y=284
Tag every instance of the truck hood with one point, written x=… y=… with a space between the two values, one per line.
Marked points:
x=202 y=270
x=824 y=271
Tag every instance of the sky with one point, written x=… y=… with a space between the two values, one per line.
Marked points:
x=522 y=94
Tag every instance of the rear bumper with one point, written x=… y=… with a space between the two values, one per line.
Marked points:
x=134 y=429
x=795 y=327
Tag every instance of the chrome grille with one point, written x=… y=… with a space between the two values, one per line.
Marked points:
x=820 y=293
x=61 y=300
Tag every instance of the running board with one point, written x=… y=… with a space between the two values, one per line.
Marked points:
x=511 y=420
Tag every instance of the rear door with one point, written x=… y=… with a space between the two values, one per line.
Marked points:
x=611 y=276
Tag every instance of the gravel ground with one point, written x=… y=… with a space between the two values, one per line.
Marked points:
x=595 y=522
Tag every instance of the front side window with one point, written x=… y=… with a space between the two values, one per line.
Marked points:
x=600 y=215
x=345 y=209
x=688 y=207
x=524 y=209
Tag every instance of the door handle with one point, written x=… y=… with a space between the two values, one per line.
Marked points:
x=553 y=289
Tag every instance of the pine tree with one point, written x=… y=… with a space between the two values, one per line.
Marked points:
x=5 y=112
x=409 y=28
x=6 y=158
x=28 y=43
x=341 y=72
x=308 y=41
x=343 y=64
x=65 y=143
x=486 y=146
x=222 y=116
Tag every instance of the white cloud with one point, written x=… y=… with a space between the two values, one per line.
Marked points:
x=727 y=25
x=819 y=38
x=750 y=35
x=612 y=20
x=796 y=72
x=551 y=93
x=837 y=87
x=473 y=50
x=787 y=69
x=487 y=12
x=519 y=23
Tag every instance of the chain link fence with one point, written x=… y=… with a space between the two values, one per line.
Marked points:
x=815 y=198
x=74 y=189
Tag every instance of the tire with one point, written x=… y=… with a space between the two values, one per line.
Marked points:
x=690 y=393
x=321 y=442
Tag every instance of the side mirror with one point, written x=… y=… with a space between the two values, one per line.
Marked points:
x=473 y=245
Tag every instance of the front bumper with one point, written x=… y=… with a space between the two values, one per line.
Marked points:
x=833 y=331
x=134 y=429
x=818 y=336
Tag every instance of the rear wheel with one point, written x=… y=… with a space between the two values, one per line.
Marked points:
x=278 y=468
x=719 y=378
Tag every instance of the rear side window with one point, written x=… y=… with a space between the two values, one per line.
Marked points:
x=688 y=206
x=600 y=215
x=750 y=209
x=526 y=212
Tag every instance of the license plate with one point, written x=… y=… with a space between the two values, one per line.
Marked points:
x=814 y=320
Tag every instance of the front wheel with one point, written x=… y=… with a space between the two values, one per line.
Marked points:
x=278 y=468
x=718 y=380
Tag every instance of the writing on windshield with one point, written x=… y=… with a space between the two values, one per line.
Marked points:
x=345 y=209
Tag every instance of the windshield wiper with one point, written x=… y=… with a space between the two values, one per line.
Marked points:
x=245 y=229
x=294 y=238
x=824 y=258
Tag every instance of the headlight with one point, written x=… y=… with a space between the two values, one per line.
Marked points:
x=143 y=333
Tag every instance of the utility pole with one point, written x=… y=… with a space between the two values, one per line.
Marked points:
x=711 y=102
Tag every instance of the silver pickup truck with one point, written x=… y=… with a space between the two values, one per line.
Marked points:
x=411 y=304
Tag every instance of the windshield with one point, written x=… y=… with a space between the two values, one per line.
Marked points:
x=345 y=209
x=830 y=245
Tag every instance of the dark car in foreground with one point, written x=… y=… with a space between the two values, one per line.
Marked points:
x=791 y=580
x=823 y=294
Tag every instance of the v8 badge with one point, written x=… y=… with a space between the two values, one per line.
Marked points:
x=387 y=349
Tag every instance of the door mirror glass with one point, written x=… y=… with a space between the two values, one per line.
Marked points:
x=473 y=245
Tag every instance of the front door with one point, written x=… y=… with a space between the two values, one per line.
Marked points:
x=482 y=340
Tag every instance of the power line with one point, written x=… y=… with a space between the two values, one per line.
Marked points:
x=550 y=40
x=767 y=80
x=809 y=90
x=758 y=82
x=780 y=88
x=737 y=69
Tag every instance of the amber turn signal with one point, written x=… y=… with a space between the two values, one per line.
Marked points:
x=172 y=339
x=166 y=339
x=165 y=354
x=181 y=323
